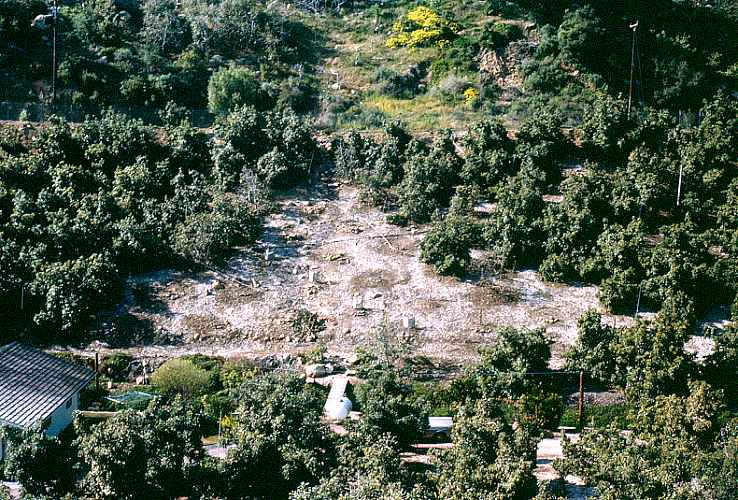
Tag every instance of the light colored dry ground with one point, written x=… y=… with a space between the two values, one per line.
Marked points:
x=550 y=449
x=365 y=272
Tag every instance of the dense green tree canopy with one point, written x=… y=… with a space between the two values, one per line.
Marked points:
x=142 y=454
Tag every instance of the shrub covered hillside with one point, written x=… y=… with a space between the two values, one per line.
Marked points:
x=441 y=64
x=684 y=51
x=140 y=56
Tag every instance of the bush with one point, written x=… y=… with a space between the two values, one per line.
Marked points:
x=489 y=459
x=423 y=27
x=429 y=180
x=515 y=352
x=234 y=373
x=400 y=85
x=600 y=416
x=281 y=440
x=387 y=406
x=579 y=37
x=592 y=351
x=154 y=453
x=451 y=88
x=376 y=167
x=116 y=366
x=446 y=246
x=489 y=159
x=74 y=289
x=294 y=150
x=42 y=465
x=650 y=359
x=619 y=292
x=174 y=114
x=497 y=35
x=351 y=154
x=164 y=30
x=206 y=237
x=182 y=376
x=542 y=410
x=232 y=87
x=516 y=232
x=721 y=367
x=307 y=325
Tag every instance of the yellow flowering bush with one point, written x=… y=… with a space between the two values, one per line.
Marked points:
x=422 y=27
x=471 y=95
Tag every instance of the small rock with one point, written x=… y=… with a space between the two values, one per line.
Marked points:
x=317 y=370
x=218 y=285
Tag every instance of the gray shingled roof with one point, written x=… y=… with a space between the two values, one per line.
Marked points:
x=33 y=384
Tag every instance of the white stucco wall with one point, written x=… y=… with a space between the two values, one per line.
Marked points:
x=62 y=416
x=58 y=421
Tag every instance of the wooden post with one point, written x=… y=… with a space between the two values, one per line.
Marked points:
x=581 y=400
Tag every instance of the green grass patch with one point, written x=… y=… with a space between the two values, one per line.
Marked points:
x=599 y=416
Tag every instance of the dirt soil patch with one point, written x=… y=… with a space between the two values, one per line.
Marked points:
x=347 y=271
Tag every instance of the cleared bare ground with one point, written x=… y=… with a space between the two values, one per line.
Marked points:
x=328 y=270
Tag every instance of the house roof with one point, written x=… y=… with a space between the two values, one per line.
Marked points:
x=33 y=384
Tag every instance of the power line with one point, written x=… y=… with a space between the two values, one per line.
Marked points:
x=550 y=372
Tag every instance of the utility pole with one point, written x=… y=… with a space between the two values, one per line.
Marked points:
x=638 y=301
x=53 y=55
x=679 y=185
x=581 y=400
x=634 y=27
x=42 y=22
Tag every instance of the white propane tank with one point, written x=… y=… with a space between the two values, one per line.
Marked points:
x=339 y=409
